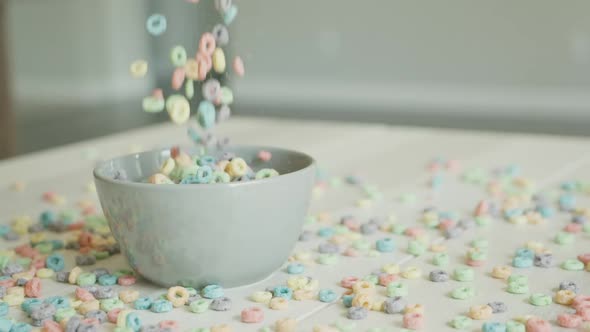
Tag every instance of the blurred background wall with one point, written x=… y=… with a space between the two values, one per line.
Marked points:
x=499 y=65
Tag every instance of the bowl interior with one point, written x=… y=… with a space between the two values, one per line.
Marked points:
x=139 y=166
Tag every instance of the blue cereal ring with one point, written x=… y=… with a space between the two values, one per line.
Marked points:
x=156 y=24
x=21 y=327
x=493 y=327
x=327 y=295
x=58 y=302
x=143 y=303
x=28 y=305
x=107 y=280
x=4 y=307
x=347 y=300
x=204 y=174
x=161 y=306
x=206 y=161
x=206 y=114
x=55 y=262
x=133 y=322
x=385 y=245
x=283 y=291
x=212 y=291
x=295 y=268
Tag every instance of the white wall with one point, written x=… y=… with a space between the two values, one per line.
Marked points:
x=501 y=56
x=454 y=56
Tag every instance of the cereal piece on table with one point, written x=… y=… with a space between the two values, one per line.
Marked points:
x=238 y=66
x=278 y=303
x=221 y=304
x=357 y=313
x=286 y=325
x=414 y=321
x=480 y=312
x=252 y=315
x=536 y=324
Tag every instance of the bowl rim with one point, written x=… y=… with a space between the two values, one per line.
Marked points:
x=311 y=164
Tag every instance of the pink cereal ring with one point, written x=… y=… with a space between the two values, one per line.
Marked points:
x=8 y=283
x=580 y=299
x=178 y=77
x=482 y=208
x=238 y=66
x=264 y=155
x=252 y=315
x=446 y=224
x=584 y=312
x=207 y=43
x=51 y=326
x=33 y=287
x=113 y=314
x=83 y=295
x=158 y=93
x=573 y=228
x=413 y=321
x=584 y=258
x=536 y=324
x=169 y=324
x=352 y=224
x=204 y=61
x=414 y=231
x=126 y=280
x=569 y=320
x=473 y=263
x=38 y=262
x=453 y=165
x=348 y=282
x=386 y=278
x=92 y=321
x=351 y=252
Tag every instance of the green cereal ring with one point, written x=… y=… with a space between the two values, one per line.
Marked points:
x=372 y=279
x=480 y=243
x=101 y=254
x=463 y=293
x=110 y=304
x=416 y=248
x=345 y=326
x=341 y=229
x=478 y=255
x=361 y=244
x=564 y=238
x=328 y=259
x=124 y=272
x=64 y=313
x=461 y=322
x=517 y=288
x=4 y=261
x=24 y=262
x=266 y=173
x=440 y=259
x=191 y=291
x=309 y=220
x=587 y=227
x=398 y=229
x=464 y=273
x=397 y=288
x=123 y=329
x=540 y=299
x=45 y=247
x=513 y=326
x=483 y=220
x=518 y=278
x=86 y=279
x=572 y=264
x=199 y=306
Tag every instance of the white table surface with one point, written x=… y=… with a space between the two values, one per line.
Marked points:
x=392 y=158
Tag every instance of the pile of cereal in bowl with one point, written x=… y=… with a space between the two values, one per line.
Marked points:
x=181 y=168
